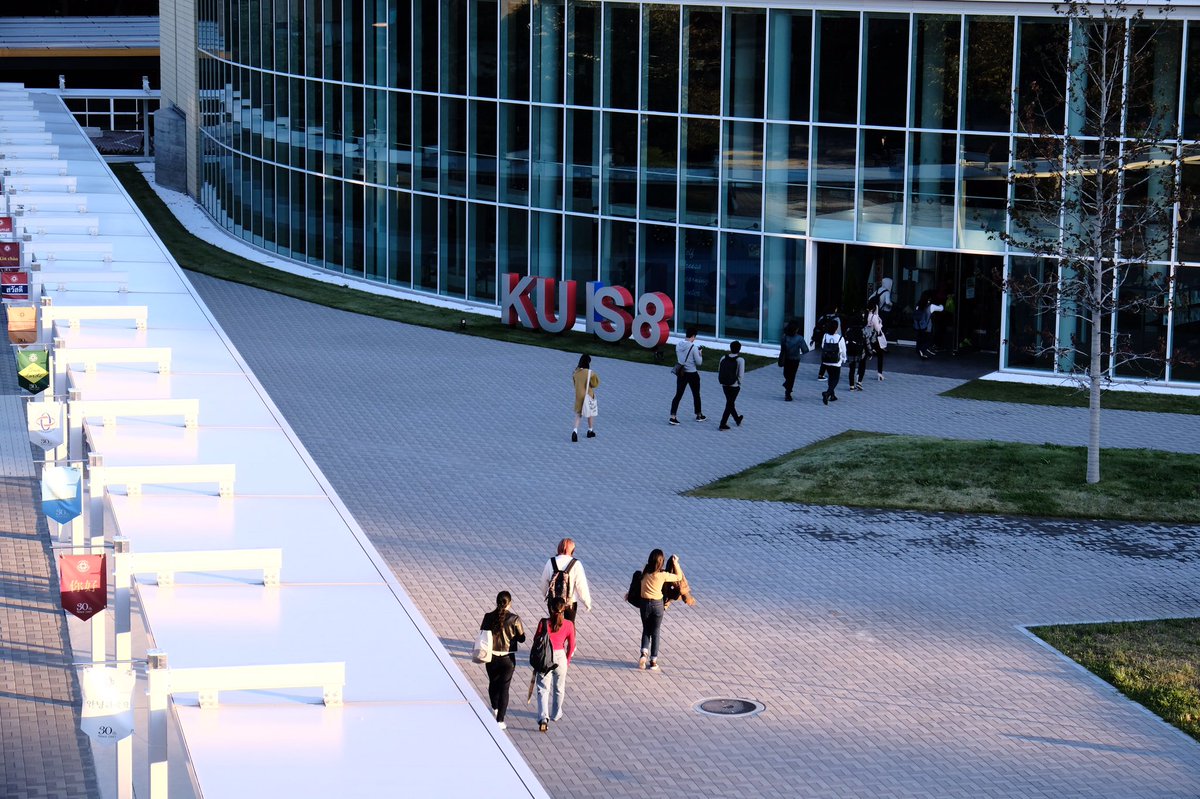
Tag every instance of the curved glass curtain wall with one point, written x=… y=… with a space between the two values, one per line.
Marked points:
x=689 y=149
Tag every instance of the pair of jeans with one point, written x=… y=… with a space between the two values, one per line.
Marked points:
x=731 y=395
x=682 y=382
x=552 y=689
x=789 y=375
x=835 y=374
x=500 y=672
x=652 y=615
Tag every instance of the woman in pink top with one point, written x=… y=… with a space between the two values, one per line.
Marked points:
x=552 y=686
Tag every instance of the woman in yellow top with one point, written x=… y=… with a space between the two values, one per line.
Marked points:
x=585 y=381
x=653 y=578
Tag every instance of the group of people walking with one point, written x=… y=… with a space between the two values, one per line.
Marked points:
x=564 y=584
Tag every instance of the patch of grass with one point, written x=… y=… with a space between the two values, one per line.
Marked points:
x=1154 y=663
x=199 y=256
x=879 y=470
x=996 y=391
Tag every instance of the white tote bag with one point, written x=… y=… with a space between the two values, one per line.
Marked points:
x=590 y=407
x=483 y=647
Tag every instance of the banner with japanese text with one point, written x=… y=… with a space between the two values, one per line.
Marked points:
x=83 y=584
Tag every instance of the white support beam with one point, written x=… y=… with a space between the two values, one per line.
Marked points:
x=110 y=410
x=90 y=357
x=134 y=477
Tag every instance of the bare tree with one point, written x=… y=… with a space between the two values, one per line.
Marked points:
x=1095 y=194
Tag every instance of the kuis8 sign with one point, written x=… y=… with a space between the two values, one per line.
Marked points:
x=542 y=303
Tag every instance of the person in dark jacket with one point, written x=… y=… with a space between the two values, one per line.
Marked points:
x=818 y=335
x=791 y=348
x=856 y=350
x=507 y=633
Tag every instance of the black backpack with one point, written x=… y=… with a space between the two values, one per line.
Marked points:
x=541 y=654
x=727 y=374
x=831 y=352
x=560 y=583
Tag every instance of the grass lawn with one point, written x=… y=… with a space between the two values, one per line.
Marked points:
x=199 y=256
x=995 y=391
x=1156 y=663
x=879 y=470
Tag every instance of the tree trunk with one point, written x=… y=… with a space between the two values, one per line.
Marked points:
x=1094 y=375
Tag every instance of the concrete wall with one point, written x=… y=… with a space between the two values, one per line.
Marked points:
x=177 y=35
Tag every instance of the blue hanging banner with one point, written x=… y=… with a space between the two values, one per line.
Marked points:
x=62 y=492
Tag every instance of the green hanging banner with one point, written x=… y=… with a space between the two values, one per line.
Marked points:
x=33 y=370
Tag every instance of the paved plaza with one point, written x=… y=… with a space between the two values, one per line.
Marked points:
x=887 y=646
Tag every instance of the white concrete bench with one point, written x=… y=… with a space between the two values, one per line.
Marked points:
x=25 y=137
x=14 y=102
x=19 y=125
x=8 y=151
x=35 y=166
x=71 y=250
x=30 y=183
x=35 y=203
x=109 y=410
x=134 y=477
x=90 y=357
x=41 y=224
x=64 y=281
x=74 y=314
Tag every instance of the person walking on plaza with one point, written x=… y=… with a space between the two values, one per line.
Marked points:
x=791 y=348
x=730 y=373
x=688 y=357
x=923 y=324
x=585 y=381
x=563 y=578
x=875 y=339
x=856 y=357
x=833 y=355
x=552 y=685
x=507 y=634
x=819 y=332
x=653 y=579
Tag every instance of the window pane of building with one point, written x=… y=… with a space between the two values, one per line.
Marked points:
x=482 y=56
x=789 y=77
x=482 y=174
x=931 y=189
x=454 y=147
x=702 y=141
x=786 y=179
x=583 y=54
x=622 y=35
x=425 y=45
x=660 y=159
x=514 y=153
x=425 y=130
x=581 y=256
x=1191 y=88
x=620 y=179
x=547 y=157
x=1142 y=322
x=696 y=292
x=656 y=266
x=1153 y=101
x=1185 y=361
x=452 y=278
x=618 y=256
x=481 y=252
x=743 y=174
x=783 y=286
x=399 y=238
x=425 y=243
x=984 y=191
x=740 y=280
x=988 y=83
x=545 y=244
x=583 y=168
x=549 y=20
x=881 y=190
x=1031 y=331
x=514 y=49
x=745 y=73
x=454 y=47
x=701 y=61
x=353 y=231
x=513 y=231
x=837 y=66
x=1041 y=74
x=935 y=79
x=885 y=70
x=661 y=72
x=833 y=182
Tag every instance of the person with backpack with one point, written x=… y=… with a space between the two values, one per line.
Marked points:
x=833 y=355
x=730 y=372
x=819 y=331
x=876 y=341
x=923 y=324
x=856 y=358
x=653 y=579
x=555 y=636
x=792 y=347
x=507 y=633
x=689 y=355
x=563 y=578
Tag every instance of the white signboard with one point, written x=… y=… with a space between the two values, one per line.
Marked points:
x=45 y=423
x=107 y=703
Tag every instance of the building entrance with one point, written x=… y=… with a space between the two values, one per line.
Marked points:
x=966 y=283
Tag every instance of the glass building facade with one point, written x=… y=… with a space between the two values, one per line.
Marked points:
x=757 y=164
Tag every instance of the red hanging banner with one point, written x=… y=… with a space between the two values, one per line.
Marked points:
x=6 y=224
x=10 y=254
x=83 y=583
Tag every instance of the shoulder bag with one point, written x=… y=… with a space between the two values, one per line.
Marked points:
x=590 y=406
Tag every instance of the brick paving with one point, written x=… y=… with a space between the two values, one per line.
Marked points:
x=42 y=752
x=886 y=645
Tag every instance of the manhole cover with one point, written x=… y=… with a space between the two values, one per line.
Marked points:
x=729 y=707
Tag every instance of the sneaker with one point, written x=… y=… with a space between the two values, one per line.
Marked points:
x=833 y=398
x=739 y=419
x=543 y=725
x=701 y=417
x=724 y=427
x=825 y=397
x=787 y=397
x=672 y=420
x=642 y=662
x=879 y=375
x=574 y=435
x=653 y=666
x=820 y=377
x=502 y=726
x=591 y=434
